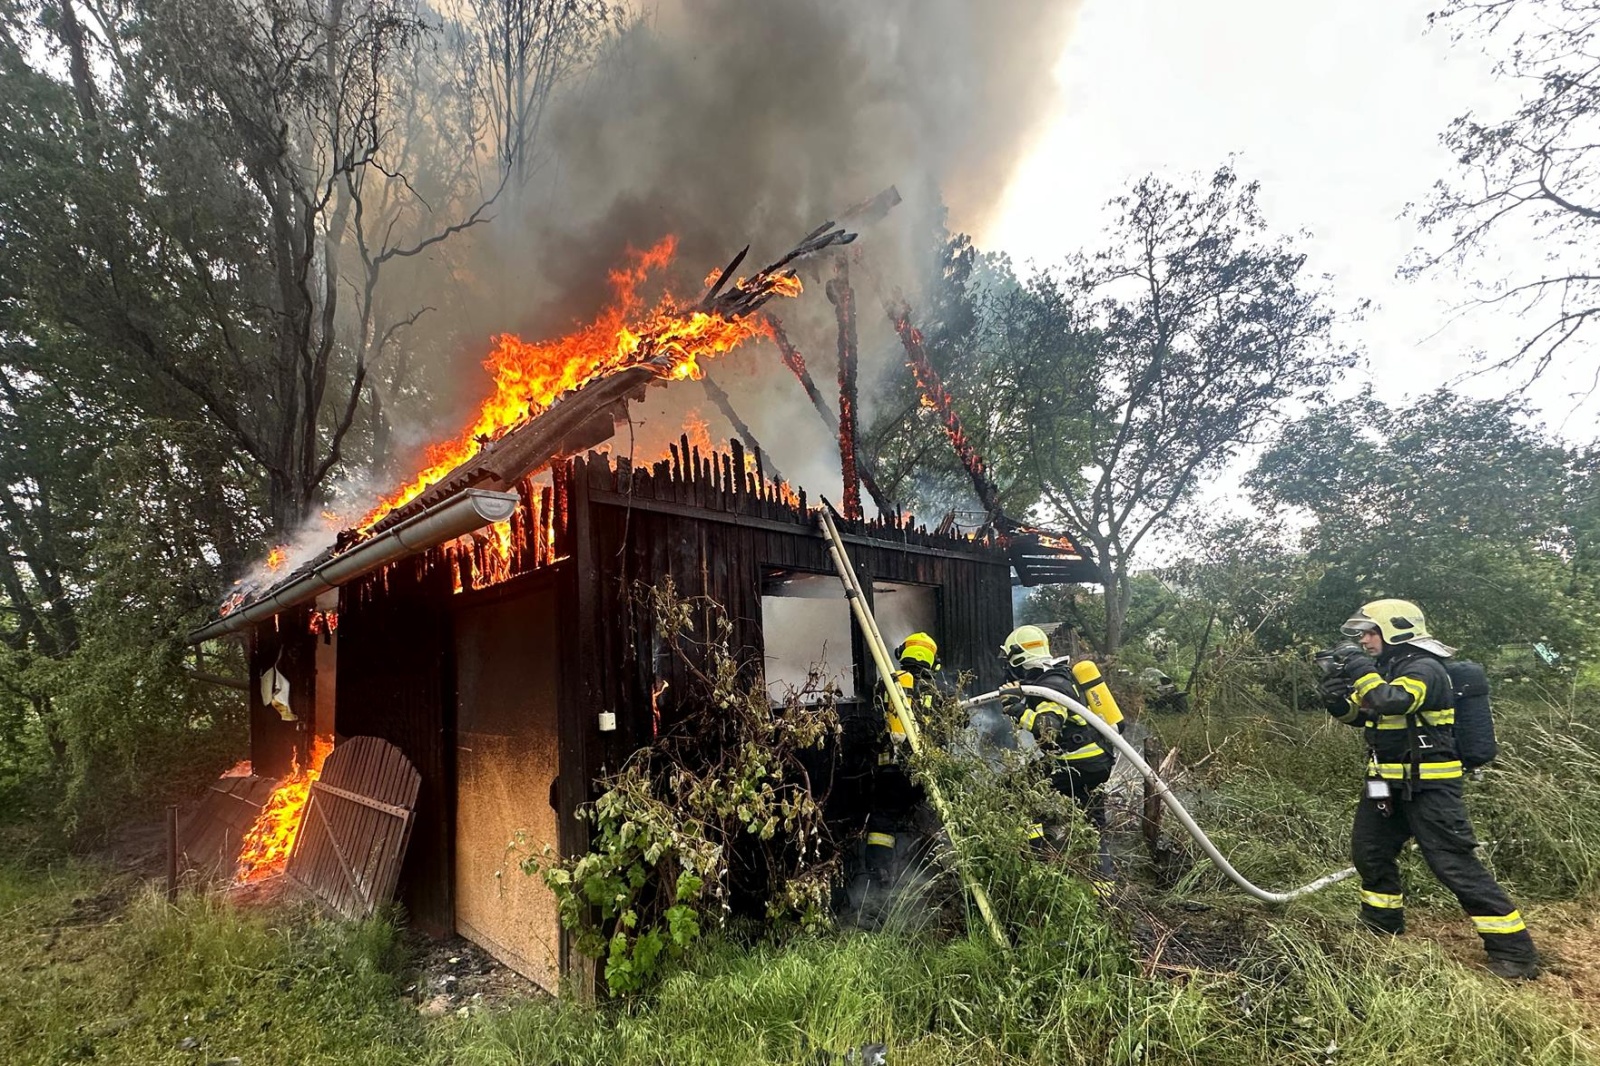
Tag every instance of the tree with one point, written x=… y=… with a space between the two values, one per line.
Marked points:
x=201 y=210
x=518 y=51
x=1455 y=503
x=240 y=191
x=1143 y=367
x=915 y=463
x=1531 y=174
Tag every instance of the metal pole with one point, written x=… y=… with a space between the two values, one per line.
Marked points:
x=1110 y=734
x=902 y=708
x=172 y=852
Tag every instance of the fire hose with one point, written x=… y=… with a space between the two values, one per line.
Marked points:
x=1162 y=789
x=902 y=707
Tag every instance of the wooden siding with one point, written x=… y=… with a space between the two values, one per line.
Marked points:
x=396 y=682
x=715 y=533
x=287 y=643
x=593 y=537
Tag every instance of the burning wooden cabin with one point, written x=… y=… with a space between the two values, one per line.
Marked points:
x=514 y=685
x=489 y=626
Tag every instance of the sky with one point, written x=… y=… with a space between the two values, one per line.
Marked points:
x=1336 y=108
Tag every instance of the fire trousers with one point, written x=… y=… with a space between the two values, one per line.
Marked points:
x=1437 y=818
x=1087 y=788
x=895 y=801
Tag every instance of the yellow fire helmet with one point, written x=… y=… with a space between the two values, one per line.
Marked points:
x=1398 y=622
x=921 y=648
x=1026 y=646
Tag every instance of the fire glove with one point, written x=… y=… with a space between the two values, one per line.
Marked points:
x=1012 y=701
x=1356 y=667
x=1335 y=690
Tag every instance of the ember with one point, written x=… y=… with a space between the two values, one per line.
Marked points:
x=270 y=840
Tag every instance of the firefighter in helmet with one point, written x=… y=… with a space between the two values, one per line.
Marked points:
x=1081 y=761
x=895 y=796
x=1396 y=689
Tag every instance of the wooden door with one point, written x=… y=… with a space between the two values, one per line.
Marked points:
x=507 y=658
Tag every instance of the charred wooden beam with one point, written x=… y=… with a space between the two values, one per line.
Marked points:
x=939 y=399
x=797 y=366
x=843 y=298
x=719 y=396
x=873 y=209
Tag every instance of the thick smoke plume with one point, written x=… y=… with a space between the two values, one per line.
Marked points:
x=725 y=121
x=728 y=122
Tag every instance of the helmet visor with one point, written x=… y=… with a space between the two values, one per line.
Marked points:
x=1355 y=627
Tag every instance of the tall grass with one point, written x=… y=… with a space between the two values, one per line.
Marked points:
x=1298 y=998
x=1538 y=808
x=92 y=975
x=1279 y=791
x=100 y=970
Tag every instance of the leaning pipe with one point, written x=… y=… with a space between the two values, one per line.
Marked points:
x=1116 y=740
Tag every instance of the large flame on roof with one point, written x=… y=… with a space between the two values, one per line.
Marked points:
x=527 y=378
x=269 y=841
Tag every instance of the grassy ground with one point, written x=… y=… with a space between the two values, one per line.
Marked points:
x=98 y=968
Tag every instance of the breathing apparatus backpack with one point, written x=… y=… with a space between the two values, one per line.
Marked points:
x=1475 y=741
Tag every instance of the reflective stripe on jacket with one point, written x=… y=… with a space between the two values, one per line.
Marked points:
x=1406 y=709
x=1061 y=731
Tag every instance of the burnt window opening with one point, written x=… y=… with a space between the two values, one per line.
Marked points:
x=902 y=610
x=806 y=635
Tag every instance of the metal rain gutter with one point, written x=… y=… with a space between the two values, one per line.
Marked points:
x=446 y=520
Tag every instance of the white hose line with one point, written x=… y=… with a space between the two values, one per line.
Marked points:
x=1165 y=792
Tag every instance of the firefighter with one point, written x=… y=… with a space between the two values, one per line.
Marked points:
x=895 y=796
x=1396 y=689
x=1082 y=763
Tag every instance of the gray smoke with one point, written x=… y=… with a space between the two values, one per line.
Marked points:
x=727 y=122
x=734 y=121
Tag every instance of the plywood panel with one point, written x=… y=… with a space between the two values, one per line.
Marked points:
x=507 y=655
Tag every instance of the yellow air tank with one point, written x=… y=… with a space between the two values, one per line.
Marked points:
x=1096 y=693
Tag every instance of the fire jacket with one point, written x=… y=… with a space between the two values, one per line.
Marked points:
x=1406 y=709
x=921 y=689
x=1061 y=731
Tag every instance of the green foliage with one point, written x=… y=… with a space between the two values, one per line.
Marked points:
x=1457 y=504
x=92 y=976
x=1538 y=808
x=1105 y=391
x=719 y=801
x=1297 y=990
x=101 y=969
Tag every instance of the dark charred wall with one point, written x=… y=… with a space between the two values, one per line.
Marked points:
x=715 y=532
x=284 y=643
x=395 y=681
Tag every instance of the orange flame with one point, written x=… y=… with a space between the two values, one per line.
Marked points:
x=269 y=841
x=698 y=431
x=529 y=377
x=277 y=556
